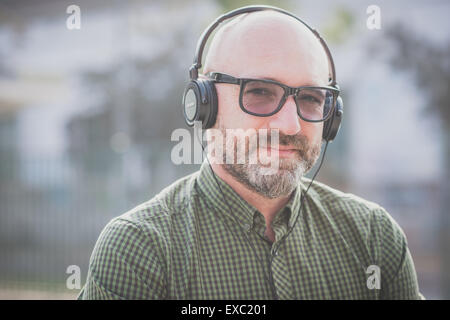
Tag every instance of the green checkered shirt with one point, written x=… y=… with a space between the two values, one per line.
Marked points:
x=192 y=241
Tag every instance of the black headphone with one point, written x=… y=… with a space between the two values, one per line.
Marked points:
x=200 y=96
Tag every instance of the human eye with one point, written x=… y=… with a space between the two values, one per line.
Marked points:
x=260 y=89
x=311 y=97
x=260 y=92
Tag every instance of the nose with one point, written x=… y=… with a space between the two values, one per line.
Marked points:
x=286 y=120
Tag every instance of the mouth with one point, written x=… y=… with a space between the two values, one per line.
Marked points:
x=285 y=152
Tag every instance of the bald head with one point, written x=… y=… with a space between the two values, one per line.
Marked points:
x=268 y=44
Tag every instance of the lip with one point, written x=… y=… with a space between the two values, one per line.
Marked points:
x=286 y=152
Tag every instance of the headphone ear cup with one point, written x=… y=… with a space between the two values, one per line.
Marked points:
x=210 y=112
x=332 y=125
x=200 y=103
x=191 y=102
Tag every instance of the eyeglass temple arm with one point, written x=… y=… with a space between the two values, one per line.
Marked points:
x=223 y=78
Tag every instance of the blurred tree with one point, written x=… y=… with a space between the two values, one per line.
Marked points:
x=430 y=66
x=339 y=25
x=139 y=97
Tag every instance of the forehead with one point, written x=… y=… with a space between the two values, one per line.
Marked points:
x=269 y=45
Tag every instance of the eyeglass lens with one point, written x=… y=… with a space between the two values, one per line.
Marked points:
x=263 y=98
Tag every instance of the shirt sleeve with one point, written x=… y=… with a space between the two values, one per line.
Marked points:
x=124 y=265
x=398 y=275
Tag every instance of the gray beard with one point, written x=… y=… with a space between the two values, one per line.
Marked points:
x=287 y=177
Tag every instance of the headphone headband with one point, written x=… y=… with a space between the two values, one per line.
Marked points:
x=193 y=70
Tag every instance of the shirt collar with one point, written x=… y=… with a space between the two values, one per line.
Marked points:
x=223 y=198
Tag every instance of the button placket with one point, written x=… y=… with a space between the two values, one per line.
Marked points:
x=281 y=275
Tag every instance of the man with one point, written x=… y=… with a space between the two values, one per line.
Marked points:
x=232 y=231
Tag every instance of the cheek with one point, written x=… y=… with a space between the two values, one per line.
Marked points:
x=313 y=131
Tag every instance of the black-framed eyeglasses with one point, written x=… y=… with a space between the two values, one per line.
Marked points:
x=264 y=97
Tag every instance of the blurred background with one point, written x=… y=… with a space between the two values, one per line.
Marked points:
x=86 y=117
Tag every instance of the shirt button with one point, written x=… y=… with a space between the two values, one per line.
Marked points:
x=247 y=227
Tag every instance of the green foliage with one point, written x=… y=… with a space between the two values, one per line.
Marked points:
x=339 y=26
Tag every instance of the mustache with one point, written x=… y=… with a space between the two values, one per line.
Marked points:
x=299 y=142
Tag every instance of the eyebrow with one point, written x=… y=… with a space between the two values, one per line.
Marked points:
x=276 y=80
x=268 y=78
x=256 y=77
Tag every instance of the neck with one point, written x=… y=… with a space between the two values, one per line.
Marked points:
x=267 y=207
